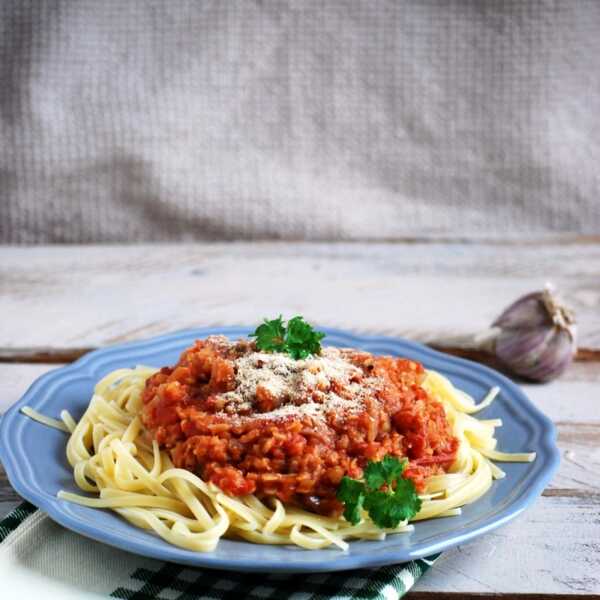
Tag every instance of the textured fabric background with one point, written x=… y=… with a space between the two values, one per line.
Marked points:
x=124 y=121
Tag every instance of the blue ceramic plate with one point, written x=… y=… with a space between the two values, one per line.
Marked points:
x=34 y=458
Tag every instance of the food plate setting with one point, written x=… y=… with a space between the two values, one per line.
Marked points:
x=35 y=461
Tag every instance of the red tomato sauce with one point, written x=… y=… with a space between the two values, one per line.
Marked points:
x=298 y=459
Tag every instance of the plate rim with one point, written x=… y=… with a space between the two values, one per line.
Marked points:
x=94 y=360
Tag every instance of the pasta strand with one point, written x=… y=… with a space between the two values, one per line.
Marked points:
x=112 y=459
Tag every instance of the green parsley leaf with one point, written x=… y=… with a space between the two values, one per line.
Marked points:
x=301 y=339
x=406 y=499
x=352 y=493
x=384 y=472
x=387 y=508
x=298 y=339
x=270 y=336
x=384 y=511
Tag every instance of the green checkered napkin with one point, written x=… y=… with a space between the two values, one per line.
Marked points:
x=40 y=558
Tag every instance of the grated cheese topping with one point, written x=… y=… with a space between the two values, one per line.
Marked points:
x=311 y=387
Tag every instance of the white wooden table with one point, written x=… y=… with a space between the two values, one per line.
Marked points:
x=58 y=302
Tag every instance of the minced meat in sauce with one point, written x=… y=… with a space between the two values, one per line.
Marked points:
x=265 y=424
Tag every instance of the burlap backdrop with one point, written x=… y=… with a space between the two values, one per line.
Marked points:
x=125 y=121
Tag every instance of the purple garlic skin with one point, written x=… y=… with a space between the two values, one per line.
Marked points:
x=536 y=336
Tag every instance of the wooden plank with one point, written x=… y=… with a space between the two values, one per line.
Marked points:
x=573 y=397
x=440 y=293
x=553 y=548
x=7 y=495
x=16 y=379
x=6 y=507
x=573 y=405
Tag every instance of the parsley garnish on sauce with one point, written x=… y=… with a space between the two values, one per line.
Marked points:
x=387 y=507
x=298 y=338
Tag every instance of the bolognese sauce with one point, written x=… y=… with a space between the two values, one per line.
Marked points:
x=266 y=424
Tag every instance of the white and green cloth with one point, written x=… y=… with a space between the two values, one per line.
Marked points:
x=40 y=559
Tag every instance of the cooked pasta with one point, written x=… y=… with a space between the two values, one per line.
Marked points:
x=120 y=466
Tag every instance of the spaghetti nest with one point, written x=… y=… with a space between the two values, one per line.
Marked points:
x=114 y=458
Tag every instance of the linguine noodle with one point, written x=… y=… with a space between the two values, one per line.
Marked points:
x=115 y=460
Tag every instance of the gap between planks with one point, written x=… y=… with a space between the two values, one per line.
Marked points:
x=50 y=355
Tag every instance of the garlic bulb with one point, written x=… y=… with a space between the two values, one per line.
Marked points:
x=535 y=337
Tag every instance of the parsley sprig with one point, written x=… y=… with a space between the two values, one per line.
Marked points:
x=387 y=507
x=298 y=338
